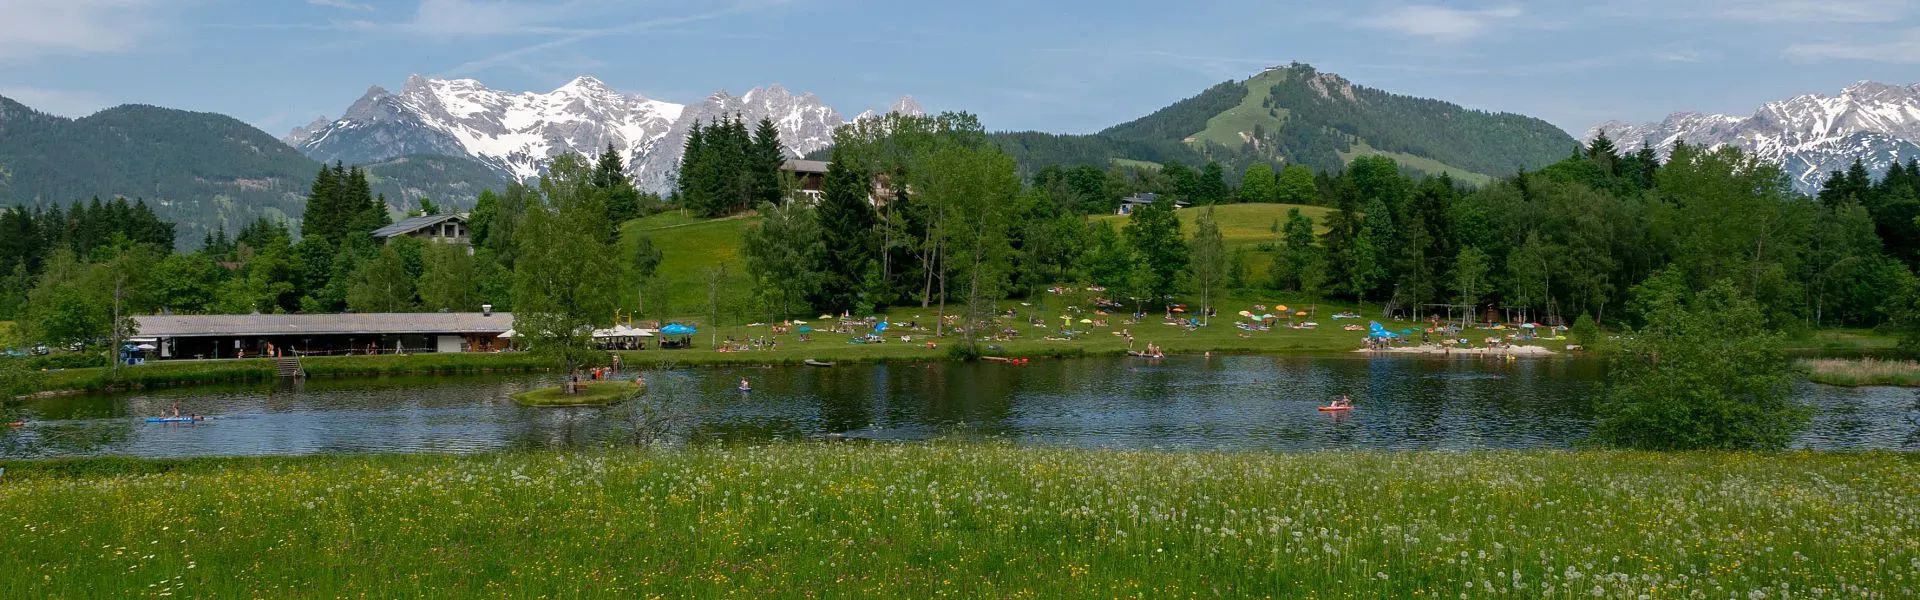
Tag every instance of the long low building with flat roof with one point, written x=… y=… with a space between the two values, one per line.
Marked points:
x=250 y=336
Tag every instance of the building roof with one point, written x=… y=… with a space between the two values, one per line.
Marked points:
x=184 y=326
x=1147 y=198
x=412 y=224
x=805 y=166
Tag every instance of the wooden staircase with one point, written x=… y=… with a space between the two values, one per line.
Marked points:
x=289 y=367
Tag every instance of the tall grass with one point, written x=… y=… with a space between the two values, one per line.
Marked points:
x=925 y=520
x=1861 y=371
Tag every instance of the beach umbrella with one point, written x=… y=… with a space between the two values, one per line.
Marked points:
x=510 y=334
x=1248 y=314
x=1528 y=326
x=880 y=327
x=1086 y=321
x=678 y=329
x=805 y=328
x=1300 y=314
x=146 y=347
x=1281 y=308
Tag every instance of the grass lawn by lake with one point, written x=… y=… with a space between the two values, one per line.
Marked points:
x=924 y=520
x=1091 y=340
x=599 y=393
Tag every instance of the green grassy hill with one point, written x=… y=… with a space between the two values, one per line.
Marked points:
x=688 y=247
x=1296 y=114
x=1248 y=226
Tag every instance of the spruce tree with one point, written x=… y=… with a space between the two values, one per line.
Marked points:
x=847 y=234
x=767 y=158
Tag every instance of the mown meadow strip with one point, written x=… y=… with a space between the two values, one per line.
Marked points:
x=975 y=520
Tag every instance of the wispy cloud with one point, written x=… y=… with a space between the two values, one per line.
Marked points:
x=66 y=103
x=35 y=28
x=1813 y=11
x=1902 y=48
x=569 y=37
x=1439 y=23
x=343 y=4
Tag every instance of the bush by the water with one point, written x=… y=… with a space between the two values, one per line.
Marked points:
x=921 y=520
x=1705 y=372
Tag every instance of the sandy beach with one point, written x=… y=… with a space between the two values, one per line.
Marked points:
x=1446 y=351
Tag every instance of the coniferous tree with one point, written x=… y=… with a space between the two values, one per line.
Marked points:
x=847 y=235
x=765 y=160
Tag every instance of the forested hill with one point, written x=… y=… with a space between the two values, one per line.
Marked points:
x=1296 y=114
x=198 y=170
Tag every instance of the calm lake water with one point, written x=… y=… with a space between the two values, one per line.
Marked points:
x=1235 y=402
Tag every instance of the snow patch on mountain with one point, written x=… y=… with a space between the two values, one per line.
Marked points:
x=1809 y=136
x=520 y=134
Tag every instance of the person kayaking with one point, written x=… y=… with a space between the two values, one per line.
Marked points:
x=1342 y=402
x=744 y=386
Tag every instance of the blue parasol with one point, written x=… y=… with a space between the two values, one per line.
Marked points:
x=678 y=329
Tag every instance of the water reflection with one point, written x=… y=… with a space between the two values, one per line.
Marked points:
x=1234 y=402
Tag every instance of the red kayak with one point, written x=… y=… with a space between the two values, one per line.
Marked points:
x=1335 y=408
x=17 y=424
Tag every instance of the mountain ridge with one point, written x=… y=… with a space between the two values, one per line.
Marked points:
x=201 y=170
x=1809 y=135
x=519 y=133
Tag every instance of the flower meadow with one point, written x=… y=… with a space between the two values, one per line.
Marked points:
x=949 y=519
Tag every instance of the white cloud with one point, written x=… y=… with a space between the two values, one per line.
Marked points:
x=1439 y=23
x=1902 y=48
x=35 y=28
x=66 y=103
x=1813 y=11
x=342 y=4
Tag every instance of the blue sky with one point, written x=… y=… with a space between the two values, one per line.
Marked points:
x=1068 y=66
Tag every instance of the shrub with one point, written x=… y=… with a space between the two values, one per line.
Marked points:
x=1704 y=373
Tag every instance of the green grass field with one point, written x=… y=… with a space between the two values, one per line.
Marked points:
x=931 y=520
x=1247 y=226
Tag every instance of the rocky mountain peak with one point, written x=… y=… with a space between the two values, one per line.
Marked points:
x=520 y=133
x=1809 y=135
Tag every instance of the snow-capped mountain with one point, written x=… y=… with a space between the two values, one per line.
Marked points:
x=1809 y=136
x=520 y=133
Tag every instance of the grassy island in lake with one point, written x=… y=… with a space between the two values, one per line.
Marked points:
x=598 y=393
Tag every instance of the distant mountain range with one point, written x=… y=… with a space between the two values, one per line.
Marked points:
x=1297 y=114
x=518 y=134
x=1810 y=136
x=200 y=170
x=447 y=139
